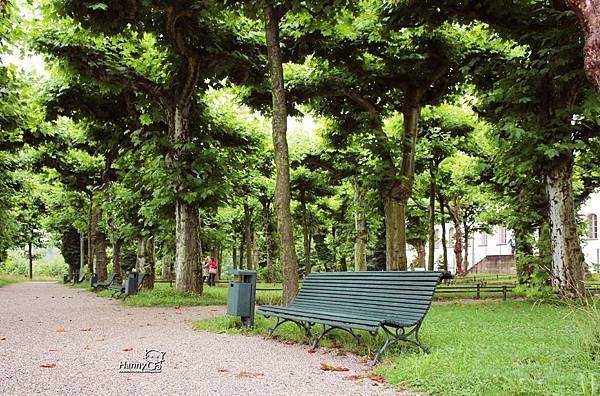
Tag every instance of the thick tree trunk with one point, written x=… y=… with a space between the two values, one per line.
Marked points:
x=242 y=248
x=166 y=268
x=254 y=249
x=117 y=259
x=287 y=251
x=343 y=264
x=305 y=234
x=98 y=243
x=188 y=274
x=444 y=243
x=395 y=235
x=90 y=238
x=431 y=240
x=454 y=211
x=145 y=261
x=360 y=225
x=567 y=256
x=588 y=13
x=266 y=202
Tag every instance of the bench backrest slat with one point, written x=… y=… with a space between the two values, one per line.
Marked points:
x=393 y=295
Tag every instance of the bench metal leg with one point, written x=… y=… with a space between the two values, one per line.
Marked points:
x=302 y=325
x=326 y=330
x=393 y=337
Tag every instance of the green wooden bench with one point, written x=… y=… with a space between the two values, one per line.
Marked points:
x=395 y=301
x=120 y=291
x=109 y=282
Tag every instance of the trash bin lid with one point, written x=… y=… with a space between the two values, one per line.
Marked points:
x=238 y=272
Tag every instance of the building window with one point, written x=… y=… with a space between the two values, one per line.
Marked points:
x=592 y=226
x=502 y=236
x=483 y=239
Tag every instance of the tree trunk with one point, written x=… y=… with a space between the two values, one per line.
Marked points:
x=395 y=235
x=343 y=264
x=523 y=251
x=432 y=194
x=234 y=254
x=588 y=13
x=166 y=268
x=81 y=253
x=444 y=244
x=467 y=231
x=117 y=259
x=242 y=248
x=454 y=211
x=403 y=189
x=90 y=238
x=419 y=246
x=266 y=202
x=567 y=256
x=287 y=251
x=98 y=243
x=254 y=249
x=145 y=261
x=30 y=257
x=248 y=234
x=360 y=225
x=188 y=274
x=305 y=233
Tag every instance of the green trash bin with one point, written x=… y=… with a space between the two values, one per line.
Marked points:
x=131 y=283
x=241 y=296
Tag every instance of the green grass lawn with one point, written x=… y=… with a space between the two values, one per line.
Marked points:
x=490 y=348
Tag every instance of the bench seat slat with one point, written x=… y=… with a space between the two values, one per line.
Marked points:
x=373 y=307
x=373 y=295
x=396 y=317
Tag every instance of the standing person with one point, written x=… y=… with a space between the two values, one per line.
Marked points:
x=205 y=266
x=213 y=269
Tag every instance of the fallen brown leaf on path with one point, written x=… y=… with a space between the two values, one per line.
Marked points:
x=376 y=378
x=60 y=330
x=222 y=370
x=353 y=377
x=289 y=342
x=48 y=365
x=52 y=350
x=99 y=339
x=329 y=367
x=312 y=350
x=249 y=374
x=142 y=337
x=88 y=329
x=177 y=306
x=3 y=339
x=127 y=349
x=87 y=347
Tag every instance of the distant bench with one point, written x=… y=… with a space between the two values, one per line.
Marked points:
x=121 y=289
x=394 y=301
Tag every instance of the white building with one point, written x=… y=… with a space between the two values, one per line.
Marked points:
x=496 y=249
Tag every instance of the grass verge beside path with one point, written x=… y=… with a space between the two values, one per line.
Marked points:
x=8 y=279
x=492 y=348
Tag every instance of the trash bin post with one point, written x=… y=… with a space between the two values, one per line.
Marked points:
x=93 y=280
x=241 y=296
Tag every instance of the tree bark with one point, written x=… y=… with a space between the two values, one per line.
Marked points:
x=266 y=202
x=188 y=274
x=30 y=257
x=145 y=261
x=466 y=234
x=432 y=194
x=443 y=224
x=81 y=253
x=588 y=13
x=419 y=246
x=454 y=211
x=287 y=252
x=248 y=234
x=254 y=249
x=117 y=259
x=234 y=254
x=305 y=233
x=395 y=235
x=360 y=225
x=567 y=257
x=98 y=242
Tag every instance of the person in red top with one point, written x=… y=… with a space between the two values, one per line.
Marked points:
x=213 y=269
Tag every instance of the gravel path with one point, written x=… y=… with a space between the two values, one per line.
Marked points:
x=84 y=339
